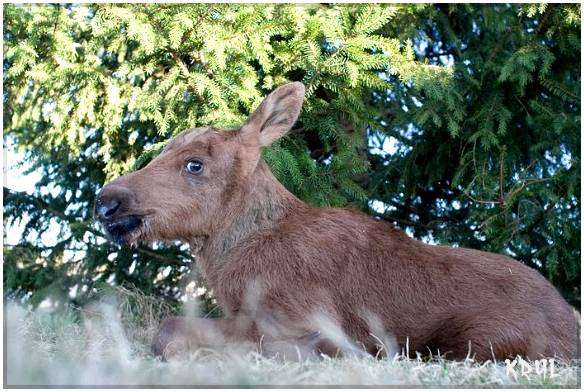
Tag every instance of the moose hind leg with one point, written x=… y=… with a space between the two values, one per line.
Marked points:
x=484 y=338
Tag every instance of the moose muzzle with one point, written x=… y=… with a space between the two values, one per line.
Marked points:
x=113 y=210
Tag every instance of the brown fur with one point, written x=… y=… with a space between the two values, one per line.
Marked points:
x=284 y=271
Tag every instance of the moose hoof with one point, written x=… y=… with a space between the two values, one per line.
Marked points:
x=170 y=341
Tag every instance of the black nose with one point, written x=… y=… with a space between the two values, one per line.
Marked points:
x=106 y=208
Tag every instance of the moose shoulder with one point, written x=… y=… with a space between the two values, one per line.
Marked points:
x=290 y=275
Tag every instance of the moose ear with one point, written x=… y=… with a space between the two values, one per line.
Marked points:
x=276 y=114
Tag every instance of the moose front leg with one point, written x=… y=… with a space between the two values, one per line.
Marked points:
x=179 y=335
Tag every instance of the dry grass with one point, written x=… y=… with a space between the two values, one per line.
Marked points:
x=107 y=344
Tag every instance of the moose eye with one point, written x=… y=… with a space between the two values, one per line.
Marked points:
x=194 y=166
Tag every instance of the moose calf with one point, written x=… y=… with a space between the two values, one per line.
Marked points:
x=284 y=271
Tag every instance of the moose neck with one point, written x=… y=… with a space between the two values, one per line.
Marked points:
x=258 y=206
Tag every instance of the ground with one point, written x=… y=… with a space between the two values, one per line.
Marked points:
x=107 y=344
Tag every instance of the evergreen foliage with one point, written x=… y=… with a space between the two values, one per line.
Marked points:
x=493 y=164
x=481 y=103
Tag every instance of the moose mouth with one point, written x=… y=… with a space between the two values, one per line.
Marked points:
x=120 y=230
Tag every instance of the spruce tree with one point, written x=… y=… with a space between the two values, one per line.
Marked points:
x=495 y=163
x=481 y=102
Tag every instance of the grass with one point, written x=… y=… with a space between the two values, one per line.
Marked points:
x=107 y=343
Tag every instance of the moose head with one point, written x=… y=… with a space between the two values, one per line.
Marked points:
x=198 y=179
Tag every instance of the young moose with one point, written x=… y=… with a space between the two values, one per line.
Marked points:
x=311 y=269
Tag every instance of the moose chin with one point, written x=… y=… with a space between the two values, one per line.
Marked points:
x=325 y=280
